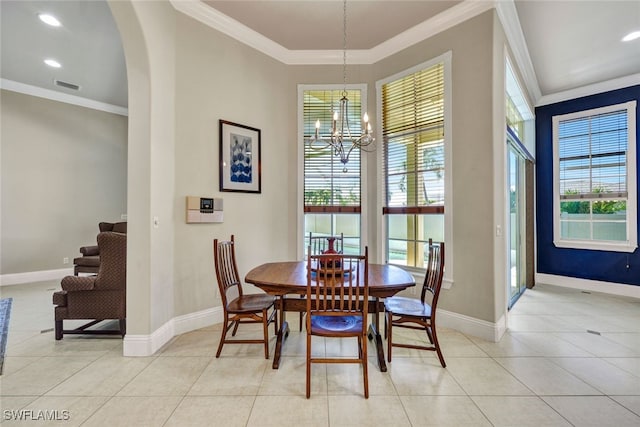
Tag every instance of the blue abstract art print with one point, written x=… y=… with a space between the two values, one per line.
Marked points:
x=239 y=158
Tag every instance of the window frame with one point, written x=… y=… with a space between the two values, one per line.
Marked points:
x=383 y=239
x=631 y=243
x=363 y=88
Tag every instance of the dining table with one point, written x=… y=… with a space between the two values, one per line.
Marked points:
x=282 y=279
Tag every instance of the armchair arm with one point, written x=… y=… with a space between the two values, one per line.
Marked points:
x=90 y=250
x=78 y=283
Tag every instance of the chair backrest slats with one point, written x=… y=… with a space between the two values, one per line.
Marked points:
x=435 y=271
x=226 y=268
x=337 y=283
x=319 y=244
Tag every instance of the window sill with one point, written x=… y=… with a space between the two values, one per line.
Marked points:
x=596 y=246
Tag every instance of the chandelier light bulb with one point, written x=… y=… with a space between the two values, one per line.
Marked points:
x=341 y=140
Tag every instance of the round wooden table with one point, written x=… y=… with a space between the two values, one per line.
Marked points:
x=284 y=278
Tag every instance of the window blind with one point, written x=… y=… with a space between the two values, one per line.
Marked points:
x=413 y=142
x=593 y=156
x=327 y=188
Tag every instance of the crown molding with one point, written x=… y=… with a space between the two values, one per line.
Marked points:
x=437 y=24
x=53 y=95
x=593 y=89
x=508 y=16
x=209 y=16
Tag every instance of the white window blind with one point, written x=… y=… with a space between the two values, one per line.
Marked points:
x=327 y=188
x=593 y=156
x=413 y=142
x=413 y=138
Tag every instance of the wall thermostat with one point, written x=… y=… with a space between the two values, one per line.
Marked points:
x=203 y=210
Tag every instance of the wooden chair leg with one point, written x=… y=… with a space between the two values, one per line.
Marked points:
x=385 y=325
x=235 y=328
x=225 y=326
x=265 y=329
x=389 y=328
x=308 y=365
x=275 y=322
x=365 y=372
x=437 y=346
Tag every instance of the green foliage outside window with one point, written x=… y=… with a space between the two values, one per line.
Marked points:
x=599 y=207
x=324 y=197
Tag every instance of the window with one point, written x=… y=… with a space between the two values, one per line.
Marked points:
x=595 y=179
x=414 y=167
x=332 y=193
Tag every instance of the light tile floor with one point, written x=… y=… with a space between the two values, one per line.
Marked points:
x=547 y=370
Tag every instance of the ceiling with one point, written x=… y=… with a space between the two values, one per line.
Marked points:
x=87 y=45
x=571 y=44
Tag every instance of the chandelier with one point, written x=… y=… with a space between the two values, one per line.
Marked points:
x=342 y=141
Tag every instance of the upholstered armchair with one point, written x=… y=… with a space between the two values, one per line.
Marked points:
x=100 y=297
x=89 y=262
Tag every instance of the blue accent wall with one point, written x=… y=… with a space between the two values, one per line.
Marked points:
x=585 y=264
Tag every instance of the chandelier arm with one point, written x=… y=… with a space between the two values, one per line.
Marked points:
x=340 y=129
x=319 y=144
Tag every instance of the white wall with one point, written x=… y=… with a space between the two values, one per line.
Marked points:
x=220 y=78
x=63 y=172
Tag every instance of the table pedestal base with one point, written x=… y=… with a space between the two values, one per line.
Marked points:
x=374 y=335
x=283 y=333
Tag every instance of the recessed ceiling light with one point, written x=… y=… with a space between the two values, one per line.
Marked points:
x=49 y=19
x=52 y=63
x=631 y=36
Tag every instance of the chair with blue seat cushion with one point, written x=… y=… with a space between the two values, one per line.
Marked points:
x=337 y=306
x=319 y=244
x=420 y=313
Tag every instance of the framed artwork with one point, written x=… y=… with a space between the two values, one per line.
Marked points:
x=239 y=158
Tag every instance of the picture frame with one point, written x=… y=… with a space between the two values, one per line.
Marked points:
x=240 y=158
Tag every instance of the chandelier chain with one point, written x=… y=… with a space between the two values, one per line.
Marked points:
x=344 y=47
x=341 y=141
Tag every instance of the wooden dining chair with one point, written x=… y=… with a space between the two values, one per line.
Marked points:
x=239 y=307
x=420 y=313
x=320 y=244
x=337 y=305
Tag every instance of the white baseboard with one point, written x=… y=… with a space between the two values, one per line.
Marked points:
x=34 y=276
x=200 y=319
x=147 y=345
x=469 y=325
x=589 y=285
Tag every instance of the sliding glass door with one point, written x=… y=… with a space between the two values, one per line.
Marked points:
x=516 y=276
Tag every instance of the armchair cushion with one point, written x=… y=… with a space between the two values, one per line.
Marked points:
x=87 y=261
x=78 y=283
x=60 y=298
x=90 y=250
x=116 y=227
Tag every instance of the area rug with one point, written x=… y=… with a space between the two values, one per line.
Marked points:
x=5 y=313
